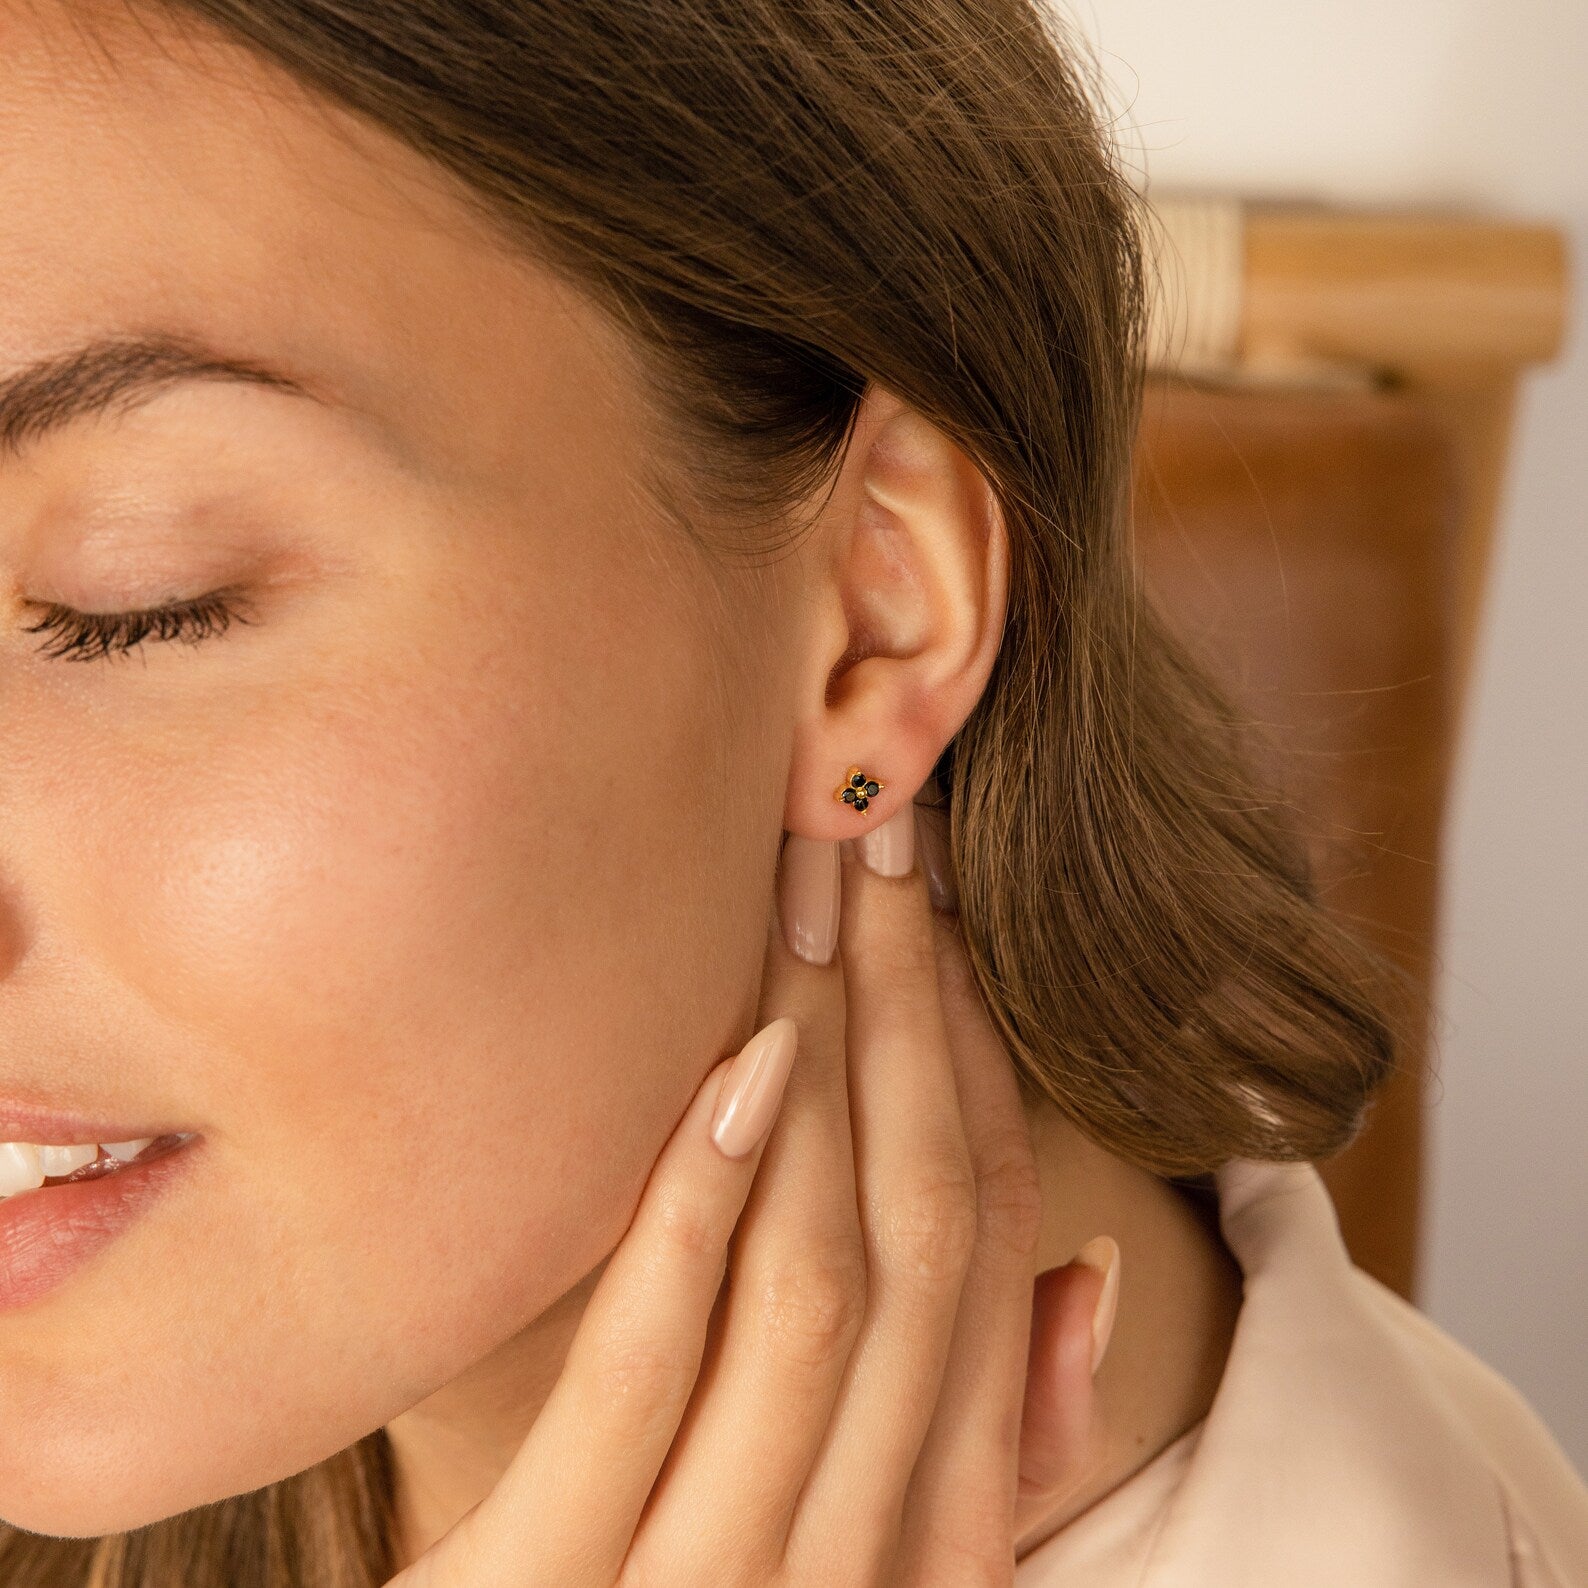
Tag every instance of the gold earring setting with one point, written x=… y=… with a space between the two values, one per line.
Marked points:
x=857 y=789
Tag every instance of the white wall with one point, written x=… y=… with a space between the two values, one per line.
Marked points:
x=1481 y=104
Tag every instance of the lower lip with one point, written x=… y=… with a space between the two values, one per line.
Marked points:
x=48 y=1234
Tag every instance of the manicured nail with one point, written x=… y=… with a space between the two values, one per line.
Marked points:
x=810 y=887
x=1102 y=1252
x=930 y=830
x=889 y=849
x=753 y=1088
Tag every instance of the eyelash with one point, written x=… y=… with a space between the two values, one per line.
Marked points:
x=86 y=636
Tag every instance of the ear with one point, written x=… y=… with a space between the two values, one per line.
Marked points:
x=909 y=584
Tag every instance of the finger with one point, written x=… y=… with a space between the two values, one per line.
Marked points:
x=1058 y=1428
x=963 y=1492
x=918 y=1217
x=793 y=1305
x=565 y=1511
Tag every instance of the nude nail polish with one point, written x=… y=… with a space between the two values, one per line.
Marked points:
x=889 y=849
x=753 y=1088
x=931 y=831
x=810 y=887
x=1102 y=1251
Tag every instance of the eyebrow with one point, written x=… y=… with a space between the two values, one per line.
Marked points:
x=114 y=373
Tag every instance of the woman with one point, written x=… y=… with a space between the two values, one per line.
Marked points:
x=496 y=497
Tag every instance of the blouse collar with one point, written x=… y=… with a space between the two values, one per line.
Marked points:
x=1330 y=1455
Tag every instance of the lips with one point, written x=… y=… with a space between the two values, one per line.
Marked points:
x=48 y=1234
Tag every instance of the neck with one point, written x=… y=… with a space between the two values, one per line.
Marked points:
x=1179 y=1293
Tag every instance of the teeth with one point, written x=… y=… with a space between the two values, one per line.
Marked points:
x=21 y=1167
x=126 y=1151
x=61 y=1161
x=24 y=1166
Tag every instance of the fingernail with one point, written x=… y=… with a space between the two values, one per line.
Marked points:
x=1102 y=1252
x=889 y=849
x=753 y=1088
x=933 y=843
x=809 y=889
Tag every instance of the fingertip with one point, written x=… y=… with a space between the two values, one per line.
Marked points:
x=710 y=1091
x=1102 y=1253
x=1057 y=1414
x=936 y=861
x=752 y=1092
x=810 y=897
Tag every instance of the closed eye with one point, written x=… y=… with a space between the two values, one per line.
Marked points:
x=85 y=636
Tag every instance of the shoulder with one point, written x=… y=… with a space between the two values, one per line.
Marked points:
x=1350 y=1441
x=1545 y=1498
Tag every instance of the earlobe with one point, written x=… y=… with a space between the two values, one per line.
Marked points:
x=912 y=582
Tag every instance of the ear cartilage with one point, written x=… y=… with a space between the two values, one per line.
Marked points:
x=857 y=789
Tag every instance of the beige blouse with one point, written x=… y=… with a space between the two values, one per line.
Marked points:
x=1351 y=1442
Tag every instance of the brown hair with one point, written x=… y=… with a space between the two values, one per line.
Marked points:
x=781 y=200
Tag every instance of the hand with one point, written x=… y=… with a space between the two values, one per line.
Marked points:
x=807 y=1364
x=1073 y=1305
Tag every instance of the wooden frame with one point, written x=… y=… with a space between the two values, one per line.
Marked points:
x=1448 y=309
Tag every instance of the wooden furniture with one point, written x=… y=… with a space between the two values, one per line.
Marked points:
x=1319 y=474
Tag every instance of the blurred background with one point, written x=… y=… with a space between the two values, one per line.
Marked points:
x=1452 y=109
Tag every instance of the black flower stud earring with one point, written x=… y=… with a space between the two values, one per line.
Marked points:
x=857 y=789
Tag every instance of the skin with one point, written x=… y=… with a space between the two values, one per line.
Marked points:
x=420 y=896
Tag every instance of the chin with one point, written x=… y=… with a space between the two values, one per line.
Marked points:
x=117 y=1486
x=72 y=1514
x=67 y=1508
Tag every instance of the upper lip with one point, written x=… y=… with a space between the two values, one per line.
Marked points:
x=44 y=1127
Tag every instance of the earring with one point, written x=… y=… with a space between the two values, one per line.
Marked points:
x=858 y=789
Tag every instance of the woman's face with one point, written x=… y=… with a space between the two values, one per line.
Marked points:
x=429 y=895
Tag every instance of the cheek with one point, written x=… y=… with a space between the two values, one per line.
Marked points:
x=407 y=940
x=448 y=958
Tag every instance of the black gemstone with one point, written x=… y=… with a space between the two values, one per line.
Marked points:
x=861 y=802
x=857 y=780
x=873 y=788
x=849 y=796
